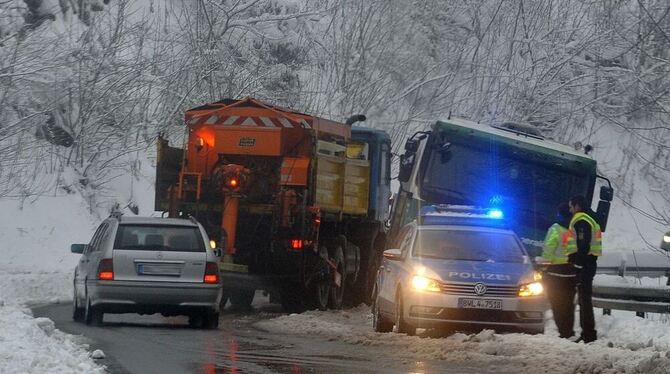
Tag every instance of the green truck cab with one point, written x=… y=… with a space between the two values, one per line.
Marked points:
x=509 y=166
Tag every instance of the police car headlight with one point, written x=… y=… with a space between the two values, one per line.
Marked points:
x=420 y=283
x=531 y=289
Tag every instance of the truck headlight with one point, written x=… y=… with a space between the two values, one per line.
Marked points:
x=421 y=283
x=531 y=289
x=666 y=238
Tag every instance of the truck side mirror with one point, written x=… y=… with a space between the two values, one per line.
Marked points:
x=412 y=145
x=603 y=213
x=406 y=166
x=606 y=193
x=665 y=243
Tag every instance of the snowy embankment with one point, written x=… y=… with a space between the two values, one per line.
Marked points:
x=627 y=344
x=36 y=267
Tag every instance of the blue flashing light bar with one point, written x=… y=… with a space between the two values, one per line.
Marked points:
x=462 y=215
x=495 y=214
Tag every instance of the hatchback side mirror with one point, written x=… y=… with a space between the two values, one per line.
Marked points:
x=393 y=254
x=78 y=248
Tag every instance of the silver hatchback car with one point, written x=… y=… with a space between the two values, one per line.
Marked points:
x=147 y=265
x=457 y=274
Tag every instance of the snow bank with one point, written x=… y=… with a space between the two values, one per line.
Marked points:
x=34 y=345
x=627 y=344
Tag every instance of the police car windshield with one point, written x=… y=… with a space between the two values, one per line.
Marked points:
x=468 y=245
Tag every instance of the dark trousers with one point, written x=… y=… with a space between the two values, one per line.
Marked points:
x=585 y=290
x=561 y=295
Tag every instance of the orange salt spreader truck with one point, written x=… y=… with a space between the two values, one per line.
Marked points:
x=298 y=203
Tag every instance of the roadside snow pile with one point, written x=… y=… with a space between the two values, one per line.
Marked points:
x=33 y=345
x=627 y=344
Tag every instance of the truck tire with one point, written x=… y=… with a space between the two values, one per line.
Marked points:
x=241 y=299
x=320 y=287
x=361 y=290
x=337 y=292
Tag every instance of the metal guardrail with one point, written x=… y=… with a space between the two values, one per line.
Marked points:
x=637 y=299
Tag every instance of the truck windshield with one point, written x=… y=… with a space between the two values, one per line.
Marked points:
x=468 y=245
x=528 y=191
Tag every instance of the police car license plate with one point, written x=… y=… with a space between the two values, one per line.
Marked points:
x=479 y=303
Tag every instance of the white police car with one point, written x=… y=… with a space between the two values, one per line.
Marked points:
x=458 y=266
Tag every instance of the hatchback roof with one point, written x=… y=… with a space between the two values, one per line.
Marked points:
x=157 y=221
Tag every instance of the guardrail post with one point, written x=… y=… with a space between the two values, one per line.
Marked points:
x=621 y=271
x=667 y=274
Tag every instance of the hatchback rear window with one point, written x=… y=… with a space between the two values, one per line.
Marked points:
x=159 y=238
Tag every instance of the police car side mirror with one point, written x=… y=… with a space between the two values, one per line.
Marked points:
x=665 y=243
x=393 y=254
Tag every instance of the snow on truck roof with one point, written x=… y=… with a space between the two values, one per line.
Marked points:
x=511 y=135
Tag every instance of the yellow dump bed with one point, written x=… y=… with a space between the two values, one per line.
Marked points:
x=342 y=179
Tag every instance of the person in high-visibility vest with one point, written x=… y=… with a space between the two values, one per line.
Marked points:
x=584 y=247
x=559 y=275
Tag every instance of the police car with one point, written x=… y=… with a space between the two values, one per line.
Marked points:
x=458 y=267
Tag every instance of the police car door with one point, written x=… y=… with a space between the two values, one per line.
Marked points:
x=385 y=286
x=396 y=269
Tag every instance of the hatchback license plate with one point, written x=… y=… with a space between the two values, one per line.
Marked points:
x=152 y=269
x=479 y=304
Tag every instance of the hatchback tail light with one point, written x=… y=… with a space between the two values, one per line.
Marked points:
x=106 y=269
x=211 y=273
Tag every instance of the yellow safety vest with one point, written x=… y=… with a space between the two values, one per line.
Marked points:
x=596 y=245
x=556 y=245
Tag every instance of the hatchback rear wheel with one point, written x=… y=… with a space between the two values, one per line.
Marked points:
x=92 y=315
x=211 y=320
x=77 y=311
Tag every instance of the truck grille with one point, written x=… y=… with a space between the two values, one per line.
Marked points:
x=469 y=290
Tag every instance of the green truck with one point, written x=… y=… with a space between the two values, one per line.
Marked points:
x=508 y=166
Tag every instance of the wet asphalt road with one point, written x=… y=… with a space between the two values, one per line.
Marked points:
x=155 y=344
